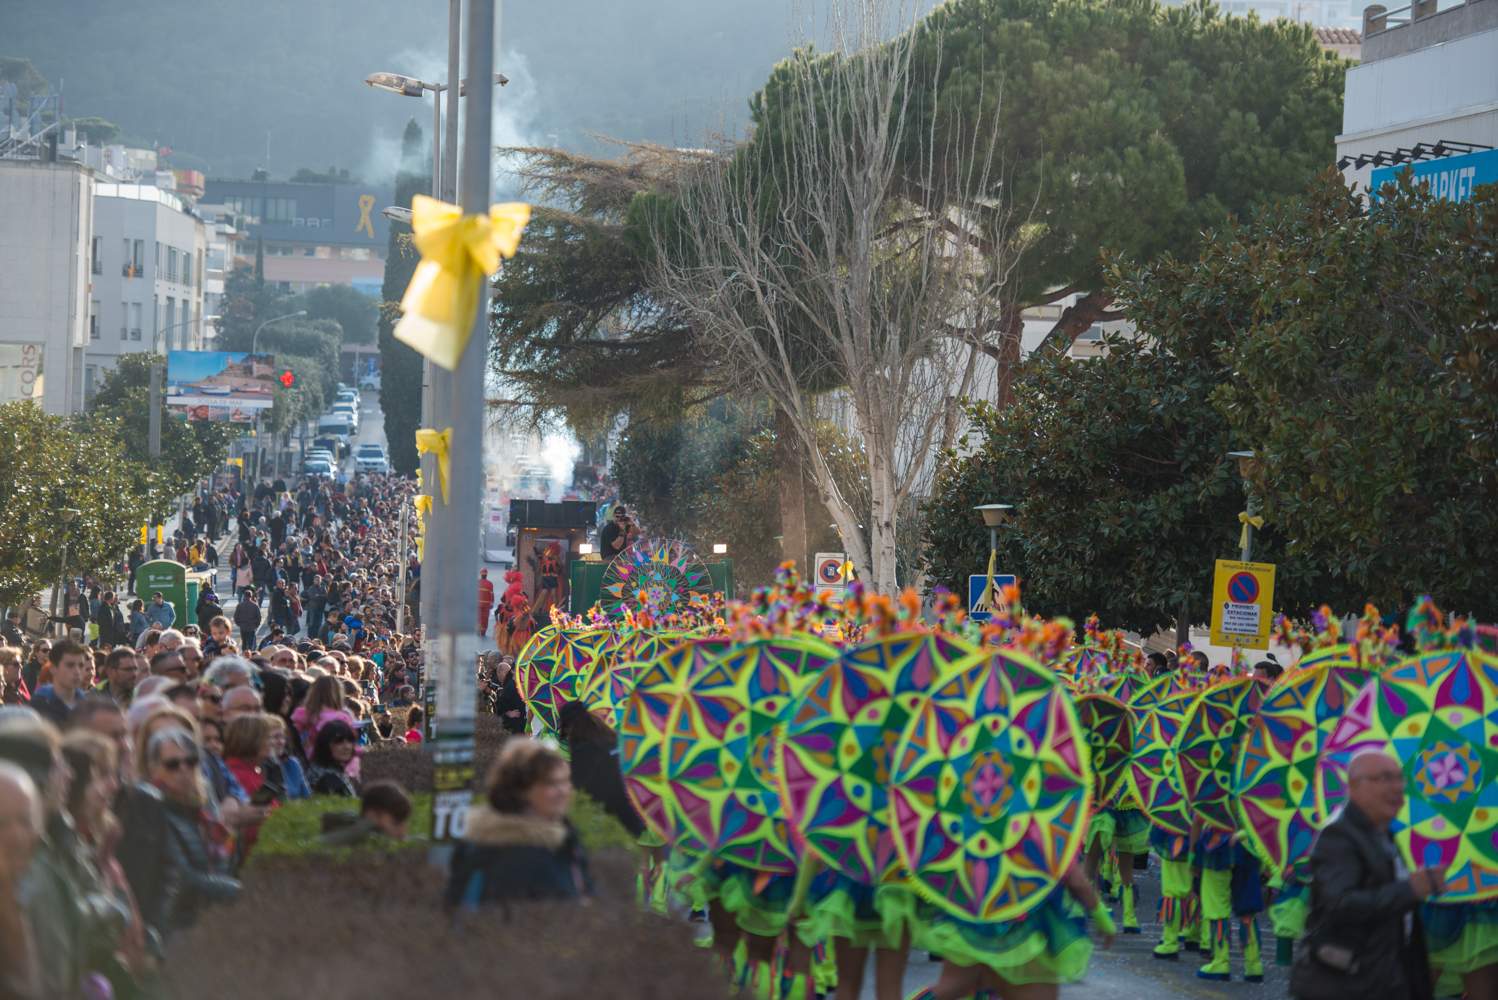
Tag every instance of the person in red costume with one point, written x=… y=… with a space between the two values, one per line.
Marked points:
x=486 y=600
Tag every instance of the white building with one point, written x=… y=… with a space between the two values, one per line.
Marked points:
x=150 y=261
x=1328 y=13
x=46 y=219
x=1427 y=86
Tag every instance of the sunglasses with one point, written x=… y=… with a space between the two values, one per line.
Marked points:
x=214 y=698
x=178 y=763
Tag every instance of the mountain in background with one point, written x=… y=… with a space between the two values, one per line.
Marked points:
x=219 y=80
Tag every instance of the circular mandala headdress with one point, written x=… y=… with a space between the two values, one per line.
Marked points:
x=1274 y=777
x=990 y=789
x=1153 y=774
x=834 y=759
x=1109 y=725
x=649 y=712
x=1438 y=715
x=658 y=577
x=1209 y=741
x=721 y=742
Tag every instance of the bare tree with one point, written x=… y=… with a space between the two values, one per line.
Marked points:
x=847 y=248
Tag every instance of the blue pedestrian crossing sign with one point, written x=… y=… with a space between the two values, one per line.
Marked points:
x=976 y=609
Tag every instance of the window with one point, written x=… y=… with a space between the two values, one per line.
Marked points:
x=158 y=255
x=96 y=252
x=171 y=262
x=93 y=314
x=135 y=259
x=172 y=333
x=135 y=311
x=124 y=321
x=281 y=210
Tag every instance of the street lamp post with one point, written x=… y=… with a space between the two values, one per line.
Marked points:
x=995 y=516
x=1246 y=461
x=67 y=515
x=454 y=639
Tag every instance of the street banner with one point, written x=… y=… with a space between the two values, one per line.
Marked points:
x=978 y=609
x=1242 y=604
x=220 y=385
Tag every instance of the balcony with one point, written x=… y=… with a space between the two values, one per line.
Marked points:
x=132 y=271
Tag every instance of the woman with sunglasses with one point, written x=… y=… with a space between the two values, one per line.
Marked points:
x=173 y=852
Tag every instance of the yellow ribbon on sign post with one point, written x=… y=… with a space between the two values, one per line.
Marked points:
x=457 y=252
x=1246 y=519
x=438 y=443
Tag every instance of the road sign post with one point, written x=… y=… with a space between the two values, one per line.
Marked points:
x=1242 y=604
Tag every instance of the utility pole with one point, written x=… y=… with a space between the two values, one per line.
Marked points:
x=452 y=567
x=400 y=584
x=153 y=433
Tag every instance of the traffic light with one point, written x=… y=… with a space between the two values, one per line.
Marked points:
x=288 y=379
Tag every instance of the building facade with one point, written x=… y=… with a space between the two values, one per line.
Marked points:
x=313 y=234
x=149 y=260
x=1427 y=87
x=46 y=222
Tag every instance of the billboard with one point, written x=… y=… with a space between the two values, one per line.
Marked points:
x=1453 y=178
x=220 y=385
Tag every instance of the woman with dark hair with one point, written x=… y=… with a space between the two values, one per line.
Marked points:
x=517 y=845
x=595 y=764
x=331 y=755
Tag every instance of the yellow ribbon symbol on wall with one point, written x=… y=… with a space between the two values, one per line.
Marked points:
x=457 y=252
x=1246 y=519
x=366 y=205
x=438 y=443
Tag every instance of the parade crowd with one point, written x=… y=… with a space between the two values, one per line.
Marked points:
x=140 y=755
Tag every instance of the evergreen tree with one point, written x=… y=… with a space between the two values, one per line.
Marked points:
x=400 y=367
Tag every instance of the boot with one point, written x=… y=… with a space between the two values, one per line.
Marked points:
x=1192 y=930
x=1108 y=872
x=794 y=986
x=1219 y=967
x=1253 y=961
x=1130 y=922
x=762 y=981
x=1169 y=948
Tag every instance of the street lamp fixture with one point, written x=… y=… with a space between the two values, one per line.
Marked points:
x=397 y=214
x=995 y=515
x=1245 y=460
x=397 y=83
x=255 y=340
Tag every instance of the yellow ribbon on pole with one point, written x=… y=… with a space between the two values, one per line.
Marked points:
x=457 y=252
x=422 y=503
x=1246 y=519
x=438 y=443
x=988 y=598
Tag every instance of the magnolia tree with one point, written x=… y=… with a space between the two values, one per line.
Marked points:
x=847 y=249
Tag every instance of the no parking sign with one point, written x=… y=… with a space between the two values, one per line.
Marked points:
x=1242 y=604
x=827 y=574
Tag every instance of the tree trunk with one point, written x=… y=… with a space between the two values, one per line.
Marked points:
x=1183 y=624
x=792 y=492
x=1010 y=349
x=884 y=517
x=1074 y=321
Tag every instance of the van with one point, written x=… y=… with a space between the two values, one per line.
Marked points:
x=336 y=426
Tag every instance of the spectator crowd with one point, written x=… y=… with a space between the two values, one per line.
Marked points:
x=140 y=755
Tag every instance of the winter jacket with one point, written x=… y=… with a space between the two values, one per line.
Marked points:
x=330 y=781
x=514 y=857
x=247 y=616
x=166 y=856
x=112 y=631
x=161 y=615
x=208 y=609
x=1360 y=904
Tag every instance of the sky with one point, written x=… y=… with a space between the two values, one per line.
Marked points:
x=232 y=86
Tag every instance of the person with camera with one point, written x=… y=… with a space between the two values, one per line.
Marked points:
x=619 y=534
x=1363 y=936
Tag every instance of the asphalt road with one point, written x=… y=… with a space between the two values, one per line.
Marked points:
x=1130 y=972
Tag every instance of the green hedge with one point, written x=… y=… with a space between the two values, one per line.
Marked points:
x=295 y=828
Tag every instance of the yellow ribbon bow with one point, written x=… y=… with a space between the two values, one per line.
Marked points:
x=438 y=443
x=1246 y=519
x=457 y=252
x=422 y=503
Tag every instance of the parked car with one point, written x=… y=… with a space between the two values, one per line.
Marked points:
x=370 y=381
x=350 y=410
x=318 y=467
x=371 y=457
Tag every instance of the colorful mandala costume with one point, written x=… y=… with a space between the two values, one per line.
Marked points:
x=1438 y=714
x=658 y=577
x=834 y=761
x=989 y=801
x=554 y=673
